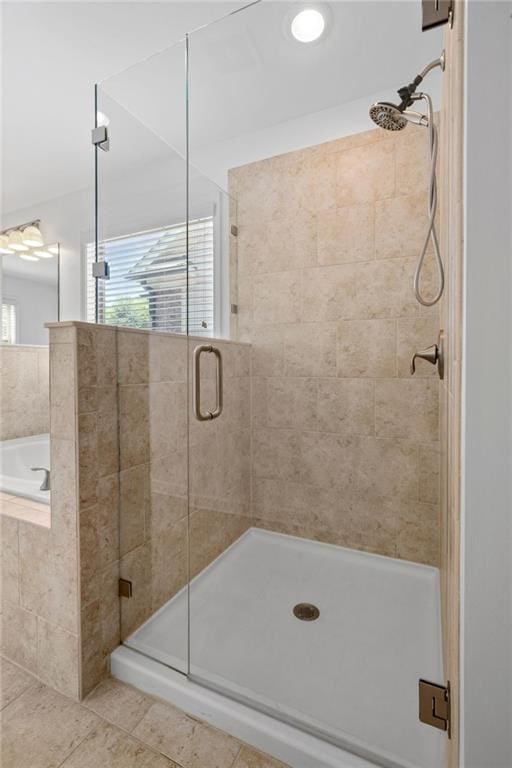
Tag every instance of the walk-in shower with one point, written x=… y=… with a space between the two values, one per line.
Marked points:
x=279 y=497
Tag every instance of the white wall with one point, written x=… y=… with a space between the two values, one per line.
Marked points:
x=487 y=470
x=150 y=194
x=305 y=131
x=37 y=305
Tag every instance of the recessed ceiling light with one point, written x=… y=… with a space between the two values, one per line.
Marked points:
x=28 y=257
x=308 y=25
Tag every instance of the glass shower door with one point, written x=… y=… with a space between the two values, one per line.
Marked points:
x=313 y=591
x=142 y=235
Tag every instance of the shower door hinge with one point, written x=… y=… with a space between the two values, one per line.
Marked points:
x=436 y=12
x=99 y=137
x=125 y=588
x=434 y=705
x=100 y=270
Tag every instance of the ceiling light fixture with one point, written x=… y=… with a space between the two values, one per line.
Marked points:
x=16 y=241
x=308 y=25
x=26 y=241
x=44 y=254
x=4 y=245
x=32 y=236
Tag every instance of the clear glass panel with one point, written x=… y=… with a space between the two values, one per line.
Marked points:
x=304 y=490
x=274 y=458
x=143 y=237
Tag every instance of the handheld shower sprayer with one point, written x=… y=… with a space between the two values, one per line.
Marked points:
x=394 y=117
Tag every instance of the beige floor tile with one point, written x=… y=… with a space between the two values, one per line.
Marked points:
x=189 y=742
x=250 y=758
x=13 y=681
x=118 y=703
x=108 y=747
x=41 y=728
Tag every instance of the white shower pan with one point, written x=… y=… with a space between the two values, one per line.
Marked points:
x=340 y=691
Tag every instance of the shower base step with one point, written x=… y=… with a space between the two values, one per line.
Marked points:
x=337 y=690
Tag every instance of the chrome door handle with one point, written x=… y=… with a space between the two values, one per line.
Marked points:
x=196 y=383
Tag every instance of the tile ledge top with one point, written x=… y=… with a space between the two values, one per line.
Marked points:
x=28 y=515
x=144 y=331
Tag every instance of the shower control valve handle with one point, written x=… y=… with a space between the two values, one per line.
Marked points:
x=433 y=355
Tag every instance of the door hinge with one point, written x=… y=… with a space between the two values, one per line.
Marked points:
x=436 y=12
x=434 y=705
x=100 y=270
x=125 y=588
x=234 y=230
x=99 y=137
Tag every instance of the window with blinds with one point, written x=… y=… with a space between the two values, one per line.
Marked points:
x=147 y=287
x=9 y=322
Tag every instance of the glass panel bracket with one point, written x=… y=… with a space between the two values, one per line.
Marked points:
x=99 y=137
x=435 y=13
x=434 y=705
x=101 y=270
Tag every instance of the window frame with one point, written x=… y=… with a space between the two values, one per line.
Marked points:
x=13 y=302
x=220 y=243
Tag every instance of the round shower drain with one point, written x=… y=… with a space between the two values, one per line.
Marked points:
x=306 y=612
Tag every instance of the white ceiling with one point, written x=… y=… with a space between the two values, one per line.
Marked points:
x=245 y=76
x=52 y=54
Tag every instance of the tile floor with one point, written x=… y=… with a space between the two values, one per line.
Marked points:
x=116 y=726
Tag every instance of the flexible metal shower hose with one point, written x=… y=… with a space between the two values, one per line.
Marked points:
x=431 y=233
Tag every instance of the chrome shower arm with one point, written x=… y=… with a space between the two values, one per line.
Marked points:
x=407 y=92
x=440 y=62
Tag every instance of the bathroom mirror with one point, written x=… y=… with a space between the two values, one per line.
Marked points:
x=30 y=296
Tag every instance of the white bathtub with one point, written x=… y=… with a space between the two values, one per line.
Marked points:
x=16 y=459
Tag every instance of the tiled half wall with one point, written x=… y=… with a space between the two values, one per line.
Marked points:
x=128 y=498
x=344 y=441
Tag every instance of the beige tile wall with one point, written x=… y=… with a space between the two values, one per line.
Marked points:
x=24 y=377
x=451 y=187
x=121 y=480
x=40 y=627
x=344 y=442
x=98 y=498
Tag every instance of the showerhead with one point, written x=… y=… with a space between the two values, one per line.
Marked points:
x=387 y=116
x=394 y=117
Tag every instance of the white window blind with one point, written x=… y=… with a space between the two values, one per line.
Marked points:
x=147 y=287
x=9 y=322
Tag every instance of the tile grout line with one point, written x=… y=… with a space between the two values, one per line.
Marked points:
x=30 y=685
x=157 y=701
